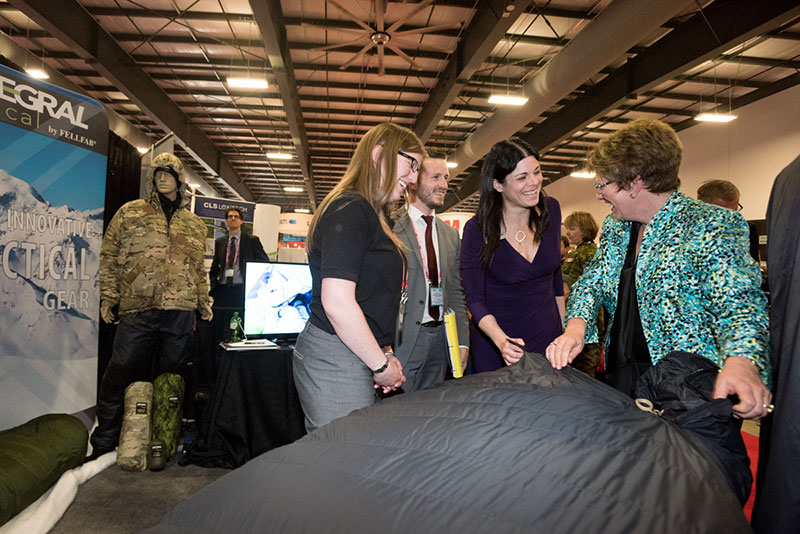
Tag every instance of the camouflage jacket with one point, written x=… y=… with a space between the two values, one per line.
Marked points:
x=575 y=262
x=146 y=263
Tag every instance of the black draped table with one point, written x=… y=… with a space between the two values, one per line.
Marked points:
x=254 y=408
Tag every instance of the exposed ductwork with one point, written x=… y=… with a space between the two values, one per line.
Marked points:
x=593 y=49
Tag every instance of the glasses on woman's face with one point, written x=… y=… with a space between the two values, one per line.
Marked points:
x=411 y=160
x=600 y=187
x=740 y=208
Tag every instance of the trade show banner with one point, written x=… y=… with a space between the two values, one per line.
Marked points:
x=53 y=147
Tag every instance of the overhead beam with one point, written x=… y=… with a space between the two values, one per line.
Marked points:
x=268 y=17
x=70 y=23
x=704 y=36
x=489 y=25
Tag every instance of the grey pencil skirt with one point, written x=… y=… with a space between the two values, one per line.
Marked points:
x=331 y=380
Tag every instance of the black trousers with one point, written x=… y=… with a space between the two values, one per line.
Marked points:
x=146 y=345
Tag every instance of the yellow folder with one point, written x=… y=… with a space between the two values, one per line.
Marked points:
x=452 y=343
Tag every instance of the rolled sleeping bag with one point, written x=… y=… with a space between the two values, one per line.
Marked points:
x=134 y=438
x=167 y=411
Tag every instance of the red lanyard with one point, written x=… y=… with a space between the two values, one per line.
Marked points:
x=228 y=250
x=421 y=252
x=404 y=287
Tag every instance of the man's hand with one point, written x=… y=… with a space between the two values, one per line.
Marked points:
x=464 y=358
x=740 y=377
x=106 y=314
x=205 y=312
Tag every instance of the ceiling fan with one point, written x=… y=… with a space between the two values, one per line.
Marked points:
x=390 y=38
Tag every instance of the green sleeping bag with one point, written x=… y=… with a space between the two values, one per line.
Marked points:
x=167 y=411
x=34 y=455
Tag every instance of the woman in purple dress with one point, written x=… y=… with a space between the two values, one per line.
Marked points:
x=511 y=261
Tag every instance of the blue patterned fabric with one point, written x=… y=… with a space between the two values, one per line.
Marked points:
x=698 y=288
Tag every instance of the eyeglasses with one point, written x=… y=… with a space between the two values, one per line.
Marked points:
x=411 y=160
x=600 y=187
x=740 y=207
x=232 y=216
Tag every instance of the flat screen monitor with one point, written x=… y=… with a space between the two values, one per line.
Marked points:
x=277 y=297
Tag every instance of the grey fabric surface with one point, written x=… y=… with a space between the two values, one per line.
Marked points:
x=523 y=449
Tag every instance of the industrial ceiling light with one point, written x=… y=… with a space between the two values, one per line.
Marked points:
x=247 y=83
x=293 y=189
x=302 y=210
x=142 y=149
x=451 y=164
x=582 y=174
x=37 y=73
x=714 y=117
x=278 y=155
x=508 y=100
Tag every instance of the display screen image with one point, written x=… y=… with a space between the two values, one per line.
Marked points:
x=277 y=297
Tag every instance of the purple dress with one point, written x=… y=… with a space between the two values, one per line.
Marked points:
x=520 y=294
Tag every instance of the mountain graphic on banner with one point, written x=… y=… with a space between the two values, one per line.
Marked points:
x=48 y=275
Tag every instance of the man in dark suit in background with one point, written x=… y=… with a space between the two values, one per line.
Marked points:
x=231 y=253
x=434 y=282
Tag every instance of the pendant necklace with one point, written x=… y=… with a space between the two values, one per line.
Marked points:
x=520 y=236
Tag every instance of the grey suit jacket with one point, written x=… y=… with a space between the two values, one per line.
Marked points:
x=450 y=275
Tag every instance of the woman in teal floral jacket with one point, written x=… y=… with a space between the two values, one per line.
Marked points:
x=691 y=285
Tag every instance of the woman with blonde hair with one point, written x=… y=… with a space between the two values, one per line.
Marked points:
x=357 y=265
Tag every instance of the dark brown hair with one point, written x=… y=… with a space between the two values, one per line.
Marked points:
x=499 y=163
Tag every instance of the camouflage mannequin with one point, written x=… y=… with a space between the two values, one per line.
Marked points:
x=151 y=265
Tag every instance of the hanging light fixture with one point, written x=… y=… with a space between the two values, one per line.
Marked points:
x=293 y=189
x=302 y=210
x=279 y=155
x=451 y=164
x=714 y=117
x=508 y=99
x=582 y=174
x=37 y=73
x=247 y=83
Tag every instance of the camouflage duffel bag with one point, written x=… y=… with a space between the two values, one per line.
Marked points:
x=134 y=438
x=167 y=411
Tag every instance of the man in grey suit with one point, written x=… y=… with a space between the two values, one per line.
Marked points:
x=434 y=282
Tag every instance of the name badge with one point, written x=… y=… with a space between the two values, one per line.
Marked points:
x=437 y=296
x=228 y=273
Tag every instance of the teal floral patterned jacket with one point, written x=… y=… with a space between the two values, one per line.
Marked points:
x=697 y=286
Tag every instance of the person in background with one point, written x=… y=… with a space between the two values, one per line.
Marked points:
x=581 y=229
x=564 y=247
x=673 y=274
x=511 y=261
x=231 y=254
x=724 y=193
x=151 y=266
x=778 y=477
x=357 y=265
x=434 y=281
